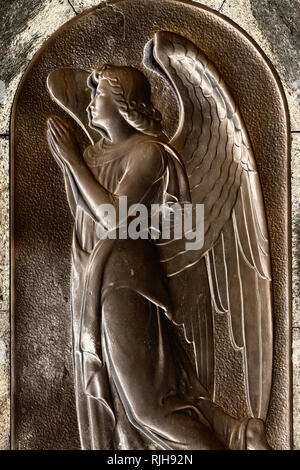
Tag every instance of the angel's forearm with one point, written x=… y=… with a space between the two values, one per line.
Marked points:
x=93 y=193
x=69 y=193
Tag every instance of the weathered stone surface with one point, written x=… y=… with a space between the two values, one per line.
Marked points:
x=296 y=284
x=4 y=225
x=82 y=5
x=274 y=25
x=4 y=296
x=296 y=227
x=4 y=381
x=215 y=4
x=25 y=25
x=296 y=390
x=38 y=282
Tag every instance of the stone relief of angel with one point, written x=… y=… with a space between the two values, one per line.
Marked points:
x=143 y=311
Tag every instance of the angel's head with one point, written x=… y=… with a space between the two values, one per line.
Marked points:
x=122 y=92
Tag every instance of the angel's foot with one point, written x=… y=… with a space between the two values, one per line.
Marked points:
x=235 y=434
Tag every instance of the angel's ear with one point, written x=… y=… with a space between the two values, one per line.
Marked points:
x=69 y=89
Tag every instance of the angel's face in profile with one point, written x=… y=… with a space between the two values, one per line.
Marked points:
x=103 y=108
x=121 y=103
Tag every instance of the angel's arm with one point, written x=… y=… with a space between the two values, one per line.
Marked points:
x=71 y=196
x=64 y=145
x=144 y=167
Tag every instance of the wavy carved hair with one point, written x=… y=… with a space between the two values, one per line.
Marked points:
x=132 y=94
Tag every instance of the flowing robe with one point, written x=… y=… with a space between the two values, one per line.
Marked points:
x=106 y=358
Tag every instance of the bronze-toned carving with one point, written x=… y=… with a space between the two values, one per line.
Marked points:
x=194 y=326
x=136 y=302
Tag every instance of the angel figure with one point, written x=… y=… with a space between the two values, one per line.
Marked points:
x=143 y=310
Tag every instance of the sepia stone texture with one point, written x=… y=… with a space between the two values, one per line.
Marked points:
x=25 y=26
x=274 y=25
x=4 y=224
x=4 y=381
x=82 y=5
x=36 y=283
x=4 y=296
x=296 y=227
x=296 y=388
x=296 y=284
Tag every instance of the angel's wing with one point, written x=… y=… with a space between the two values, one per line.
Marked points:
x=69 y=89
x=234 y=262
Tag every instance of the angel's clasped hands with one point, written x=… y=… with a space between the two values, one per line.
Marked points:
x=63 y=143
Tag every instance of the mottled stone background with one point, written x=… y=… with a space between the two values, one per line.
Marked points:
x=24 y=27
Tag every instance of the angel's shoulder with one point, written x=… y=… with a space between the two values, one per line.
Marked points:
x=149 y=154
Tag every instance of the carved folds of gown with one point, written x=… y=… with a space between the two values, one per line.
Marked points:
x=208 y=161
x=160 y=333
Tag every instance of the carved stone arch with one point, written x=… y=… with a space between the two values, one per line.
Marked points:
x=43 y=411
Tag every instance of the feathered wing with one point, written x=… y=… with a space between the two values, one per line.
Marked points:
x=234 y=262
x=69 y=89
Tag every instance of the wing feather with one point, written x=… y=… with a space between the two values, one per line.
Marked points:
x=69 y=89
x=213 y=143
